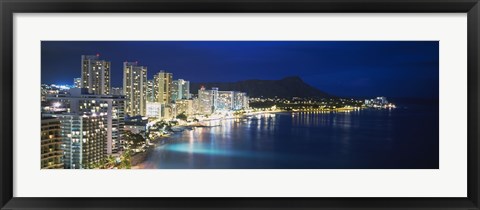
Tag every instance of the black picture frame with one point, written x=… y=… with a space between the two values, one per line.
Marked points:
x=9 y=7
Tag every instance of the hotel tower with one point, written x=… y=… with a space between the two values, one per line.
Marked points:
x=95 y=75
x=135 y=88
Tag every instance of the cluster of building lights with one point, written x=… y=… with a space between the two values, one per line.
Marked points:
x=85 y=123
x=379 y=102
x=92 y=106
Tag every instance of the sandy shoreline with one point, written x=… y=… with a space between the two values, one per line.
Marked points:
x=138 y=160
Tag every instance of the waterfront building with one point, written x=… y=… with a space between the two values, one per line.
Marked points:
x=231 y=101
x=207 y=100
x=51 y=143
x=83 y=139
x=214 y=94
x=163 y=81
x=382 y=100
x=135 y=88
x=116 y=91
x=160 y=110
x=225 y=101
x=79 y=104
x=77 y=82
x=210 y=101
x=95 y=74
x=184 y=106
x=196 y=105
x=180 y=89
x=240 y=101
x=378 y=102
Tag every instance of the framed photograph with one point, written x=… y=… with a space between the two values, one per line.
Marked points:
x=239 y=104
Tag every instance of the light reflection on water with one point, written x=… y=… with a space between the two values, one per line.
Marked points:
x=206 y=149
x=359 y=139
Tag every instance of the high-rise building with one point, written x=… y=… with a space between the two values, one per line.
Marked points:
x=164 y=81
x=240 y=101
x=79 y=104
x=210 y=101
x=246 y=102
x=225 y=100
x=135 y=88
x=51 y=144
x=207 y=100
x=77 y=82
x=175 y=91
x=231 y=101
x=83 y=139
x=151 y=91
x=95 y=74
x=180 y=89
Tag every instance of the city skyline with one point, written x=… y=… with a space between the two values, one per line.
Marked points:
x=409 y=69
x=158 y=118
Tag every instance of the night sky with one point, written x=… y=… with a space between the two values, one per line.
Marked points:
x=345 y=68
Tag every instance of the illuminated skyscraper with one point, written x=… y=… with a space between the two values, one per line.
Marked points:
x=180 y=89
x=210 y=101
x=225 y=100
x=135 y=88
x=51 y=143
x=240 y=101
x=207 y=100
x=175 y=90
x=231 y=101
x=95 y=74
x=78 y=104
x=164 y=81
x=83 y=140
x=152 y=89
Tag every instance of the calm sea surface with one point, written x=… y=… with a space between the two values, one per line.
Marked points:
x=368 y=139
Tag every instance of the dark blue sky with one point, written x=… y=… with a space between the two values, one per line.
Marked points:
x=342 y=68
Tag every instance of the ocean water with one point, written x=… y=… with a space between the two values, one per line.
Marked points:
x=402 y=138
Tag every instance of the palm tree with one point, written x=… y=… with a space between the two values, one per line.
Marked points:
x=125 y=161
x=110 y=162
